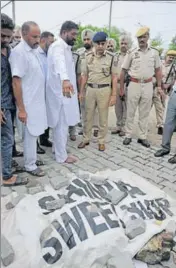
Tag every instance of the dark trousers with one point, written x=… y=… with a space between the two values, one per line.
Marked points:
x=44 y=136
x=13 y=113
x=170 y=122
x=7 y=141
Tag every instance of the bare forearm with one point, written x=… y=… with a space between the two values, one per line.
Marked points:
x=158 y=76
x=17 y=90
x=114 y=85
x=83 y=83
x=79 y=81
x=122 y=79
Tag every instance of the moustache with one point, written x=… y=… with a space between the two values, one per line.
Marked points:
x=36 y=45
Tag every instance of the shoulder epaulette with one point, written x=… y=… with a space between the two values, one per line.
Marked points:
x=110 y=53
x=89 y=53
x=75 y=53
x=131 y=50
x=81 y=50
x=155 y=48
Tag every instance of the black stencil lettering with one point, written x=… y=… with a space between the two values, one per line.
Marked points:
x=42 y=203
x=67 y=234
x=56 y=245
x=128 y=189
x=164 y=204
x=93 y=190
x=101 y=190
x=108 y=186
x=96 y=229
x=106 y=212
x=73 y=190
x=83 y=186
x=149 y=213
x=112 y=223
x=133 y=209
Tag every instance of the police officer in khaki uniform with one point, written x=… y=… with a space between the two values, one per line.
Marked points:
x=142 y=64
x=99 y=72
x=121 y=104
x=86 y=37
x=169 y=79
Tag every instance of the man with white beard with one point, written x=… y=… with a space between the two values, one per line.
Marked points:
x=61 y=90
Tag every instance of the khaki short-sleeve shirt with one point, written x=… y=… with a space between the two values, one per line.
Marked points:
x=142 y=64
x=165 y=71
x=99 y=68
x=120 y=58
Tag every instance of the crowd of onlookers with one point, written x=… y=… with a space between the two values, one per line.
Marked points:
x=47 y=86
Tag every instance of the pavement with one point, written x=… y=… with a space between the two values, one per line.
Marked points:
x=134 y=157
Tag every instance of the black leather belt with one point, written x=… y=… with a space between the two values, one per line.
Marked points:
x=97 y=85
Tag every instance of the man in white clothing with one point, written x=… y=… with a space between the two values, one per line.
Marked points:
x=29 y=91
x=46 y=39
x=61 y=90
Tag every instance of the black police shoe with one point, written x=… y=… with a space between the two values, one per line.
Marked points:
x=144 y=142
x=172 y=160
x=46 y=143
x=127 y=141
x=160 y=131
x=39 y=149
x=16 y=153
x=161 y=152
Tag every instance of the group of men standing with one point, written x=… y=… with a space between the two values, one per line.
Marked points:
x=50 y=82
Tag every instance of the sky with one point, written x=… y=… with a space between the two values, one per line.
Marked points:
x=159 y=16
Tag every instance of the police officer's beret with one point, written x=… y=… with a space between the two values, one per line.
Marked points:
x=171 y=53
x=142 y=31
x=87 y=33
x=100 y=37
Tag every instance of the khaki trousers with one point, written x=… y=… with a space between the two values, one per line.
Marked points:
x=83 y=115
x=120 y=110
x=159 y=108
x=96 y=98
x=139 y=95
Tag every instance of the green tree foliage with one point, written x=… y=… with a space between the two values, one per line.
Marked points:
x=172 y=44
x=115 y=33
x=157 y=42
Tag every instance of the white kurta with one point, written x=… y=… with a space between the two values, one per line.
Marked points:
x=25 y=64
x=61 y=67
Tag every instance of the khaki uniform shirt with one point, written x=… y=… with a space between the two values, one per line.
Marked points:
x=99 y=68
x=82 y=53
x=165 y=71
x=76 y=60
x=141 y=64
x=120 y=58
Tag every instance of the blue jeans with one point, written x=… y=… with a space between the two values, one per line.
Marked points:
x=170 y=122
x=7 y=141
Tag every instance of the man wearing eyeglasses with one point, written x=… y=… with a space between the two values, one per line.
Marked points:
x=86 y=37
x=99 y=73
